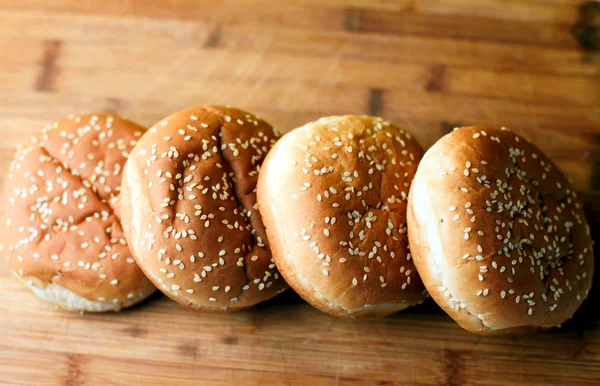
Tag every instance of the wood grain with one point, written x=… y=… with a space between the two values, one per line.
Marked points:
x=283 y=341
x=521 y=10
x=428 y=65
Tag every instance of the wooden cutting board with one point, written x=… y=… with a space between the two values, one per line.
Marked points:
x=428 y=65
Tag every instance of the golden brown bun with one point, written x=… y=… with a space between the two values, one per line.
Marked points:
x=333 y=198
x=190 y=213
x=61 y=233
x=498 y=235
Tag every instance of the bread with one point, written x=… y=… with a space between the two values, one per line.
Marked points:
x=60 y=231
x=190 y=214
x=333 y=196
x=498 y=234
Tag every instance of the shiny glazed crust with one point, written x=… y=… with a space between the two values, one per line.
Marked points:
x=190 y=213
x=61 y=233
x=333 y=196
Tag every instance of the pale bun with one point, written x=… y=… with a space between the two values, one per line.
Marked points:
x=498 y=234
x=333 y=196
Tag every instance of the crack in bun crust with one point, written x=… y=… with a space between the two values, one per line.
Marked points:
x=333 y=195
x=61 y=232
x=190 y=213
x=498 y=234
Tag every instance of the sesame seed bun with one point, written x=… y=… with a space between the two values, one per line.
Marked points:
x=498 y=234
x=190 y=213
x=333 y=195
x=60 y=232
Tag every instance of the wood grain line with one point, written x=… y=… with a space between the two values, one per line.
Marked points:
x=135 y=331
x=352 y=18
x=453 y=363
x=437 y=77
x=372 y=21
x=230 y=340
x=156 y=59
x=468 y=28
x=214 y=38
x=189 y=350
x=375 y=107
x=114 y=105
x=499 y=9
x=49 y=71
x=74 y=374
x=404 y=48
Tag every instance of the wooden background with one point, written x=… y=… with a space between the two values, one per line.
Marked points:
x=428 y=65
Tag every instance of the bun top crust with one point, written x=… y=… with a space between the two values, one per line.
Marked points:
x=498 y=233
x=61 y=210
x=333 y=194
x=189 y=199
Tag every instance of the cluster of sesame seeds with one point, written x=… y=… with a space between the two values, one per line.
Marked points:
x=203 y=226
x=362 y=236
x=56 y=193
x=534 y=223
